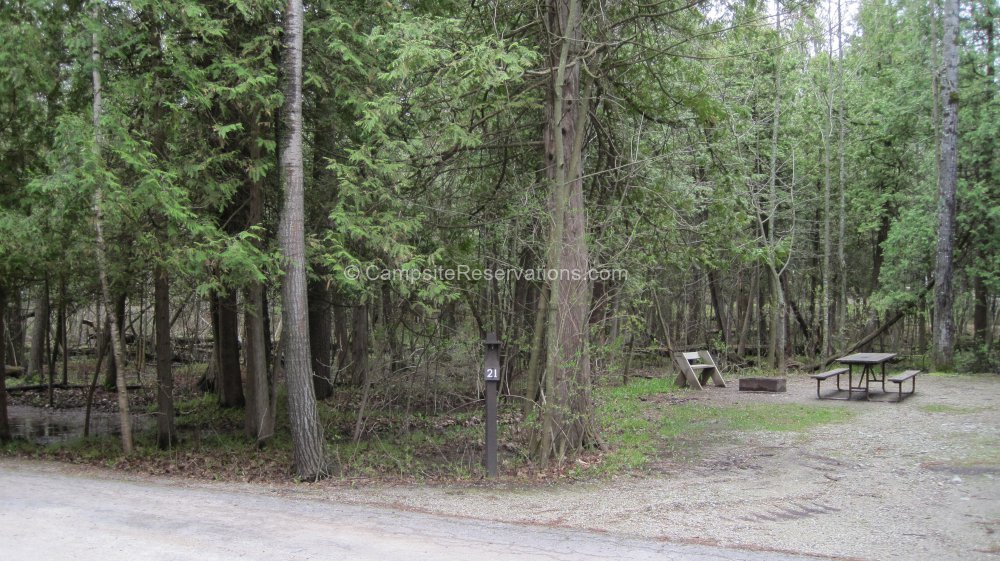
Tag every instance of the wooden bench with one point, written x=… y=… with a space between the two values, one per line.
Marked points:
x=696 y=368
x=826 y=376
x=898 y=379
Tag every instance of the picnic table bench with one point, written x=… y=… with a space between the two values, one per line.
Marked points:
x=898 y=379
x=826 y=376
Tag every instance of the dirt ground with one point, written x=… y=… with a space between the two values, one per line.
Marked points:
x=917 y=480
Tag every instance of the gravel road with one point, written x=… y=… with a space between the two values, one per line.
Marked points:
x=51 y=515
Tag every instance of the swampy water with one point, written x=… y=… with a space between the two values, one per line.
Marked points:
x=42 y=425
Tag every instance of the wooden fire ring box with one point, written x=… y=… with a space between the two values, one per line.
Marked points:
x=774 y=385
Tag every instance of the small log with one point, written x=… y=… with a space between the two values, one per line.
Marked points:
x=763 y=384
x=13 y=371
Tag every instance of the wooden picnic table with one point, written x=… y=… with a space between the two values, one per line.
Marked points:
x=868 y=362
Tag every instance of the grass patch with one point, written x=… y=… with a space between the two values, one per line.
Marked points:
x=627 y=430
x=651 y=417
x=690 y=418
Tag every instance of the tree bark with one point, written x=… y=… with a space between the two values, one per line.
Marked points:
x=981 y=315
x=63 y=329
x=4 y=421
x=104 y=334
x=944 y=335
x=260 y=416
x=778 y=322
x=229 y=381
x=58 y=345
x=779 y=315
x=15 y=328
x=320 y=337
x=39 y=331
x=111 y=374
x=841 y=318
x=323 y=190
x=359 y=345
x=826 y=321
x=567 y=410
x=748 y=313
x=343 y=336
x=260 y=413
x=534 y=361
x=102 y=262
x=165 y=433
x=720 y=312
x=307 y=433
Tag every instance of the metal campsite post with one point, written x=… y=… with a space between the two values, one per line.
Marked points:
x=492 y=385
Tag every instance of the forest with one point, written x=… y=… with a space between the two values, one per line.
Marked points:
x=312 y=214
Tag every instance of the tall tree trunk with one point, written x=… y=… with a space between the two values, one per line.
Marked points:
x=826 y=321
x=39 y=331
x=63 y=329
x=260 y=397
x=50 y=362
x=102 y=262
x=779 y=322
x=944 y=331
x=567 y=414
x=165 y=434
x=359 y=345
x=841 y=338
x=260 y=417
x=58 y=349
x=980 y=316
x=720 y=312
x=323 y=189
x=4 y=421
x=307 y=433
x=748 y=314
x=343 y=337
x=111 y=374
x=15 y=328
x=320 y=337
x=535 y=363
x=391 y=318
x=229 y=381
x=778 y=314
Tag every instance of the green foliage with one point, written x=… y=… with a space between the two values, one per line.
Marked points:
x=424 y=151
x=419 y=118
x=979 y=358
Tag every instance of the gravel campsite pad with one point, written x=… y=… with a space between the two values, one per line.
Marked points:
x=915 y=480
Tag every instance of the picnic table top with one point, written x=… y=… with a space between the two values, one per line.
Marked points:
x=866 y=358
